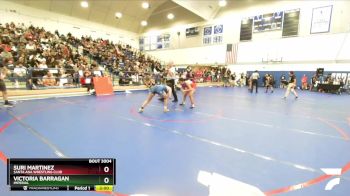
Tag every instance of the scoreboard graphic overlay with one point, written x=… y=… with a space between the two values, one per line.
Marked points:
x=91 y=174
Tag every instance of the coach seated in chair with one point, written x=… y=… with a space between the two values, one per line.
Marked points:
x=96 y=70
x=65 y=79
x=124 y=79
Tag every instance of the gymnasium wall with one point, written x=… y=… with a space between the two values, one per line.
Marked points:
x=310 y=50
x=64 y=24
x=200 y=55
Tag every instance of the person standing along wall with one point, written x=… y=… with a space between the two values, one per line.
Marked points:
x=242 y=80
x=225 y=77
x=304 y=82
x=254 y=78
x=269 y=83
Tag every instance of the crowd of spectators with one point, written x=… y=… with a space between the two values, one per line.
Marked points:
x=214 y=74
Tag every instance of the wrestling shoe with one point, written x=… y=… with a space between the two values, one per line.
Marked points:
x=141 y=109
x=9 y=105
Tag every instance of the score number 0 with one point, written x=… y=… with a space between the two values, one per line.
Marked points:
x=106 y=179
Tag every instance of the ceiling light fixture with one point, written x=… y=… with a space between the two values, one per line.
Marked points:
x=118 y=15
x=143 y=23
x=84 y=4
x=171 y=16
x=222 y=3
x=145 y=5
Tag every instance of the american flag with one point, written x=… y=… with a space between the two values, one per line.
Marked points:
x=231 y=53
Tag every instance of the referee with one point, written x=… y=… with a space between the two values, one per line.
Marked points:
x=254 y=78
x=170 y=80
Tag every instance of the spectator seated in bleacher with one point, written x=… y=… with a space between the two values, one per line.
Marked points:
x=19 y=74
x=49 y=80
x=42 y=64
x=5 y=55
x=66 y=78
x=124 y=78
x=37 y=50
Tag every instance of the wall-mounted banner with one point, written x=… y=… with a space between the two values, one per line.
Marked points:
x=141 y=43
x=217 y=39
x=159 y=42
x=144 y=43
x=163 y=41
x=155 y=42
x=218 y=29
x=159 y=38
x=207 y=31
x=141 y=40
x=193 y=31
x=166 y=41
x=321 y=19
x=213 y=34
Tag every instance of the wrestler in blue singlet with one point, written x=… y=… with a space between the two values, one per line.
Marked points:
x=158 y=89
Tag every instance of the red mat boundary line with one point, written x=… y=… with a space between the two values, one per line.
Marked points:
x=299 y=186
x=306 y=184
x=4 y=158
x=340 y=130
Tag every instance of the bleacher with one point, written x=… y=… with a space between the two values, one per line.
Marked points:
x=31 y=52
